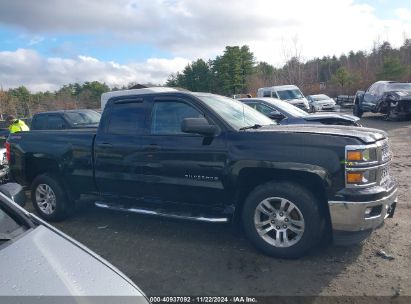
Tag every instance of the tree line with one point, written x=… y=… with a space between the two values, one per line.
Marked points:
x=236 y=71
x=21 y=102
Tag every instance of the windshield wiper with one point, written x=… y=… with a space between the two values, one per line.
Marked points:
x=256 y=126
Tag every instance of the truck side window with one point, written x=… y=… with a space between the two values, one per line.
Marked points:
x=55 y=122
x=127 y=118
x=267 y=94
x=167 y=116
x=40 y=122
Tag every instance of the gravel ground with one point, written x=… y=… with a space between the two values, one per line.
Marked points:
x=166 y=257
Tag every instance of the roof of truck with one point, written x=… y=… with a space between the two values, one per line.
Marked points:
x=106 y=96
x=64 y=111
x=279 y=88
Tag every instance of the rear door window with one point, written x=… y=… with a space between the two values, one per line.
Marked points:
x=127 y=118
x=39 y=122
x=55 y=122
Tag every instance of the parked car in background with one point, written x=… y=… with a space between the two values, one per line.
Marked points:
x=66 y=119
x=288 y=93
x=321 y=102
x=345 y=101
x=286 y=114
x=388 y=97
x=39 y=260
x=205 y=157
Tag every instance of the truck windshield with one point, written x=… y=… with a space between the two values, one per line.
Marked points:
x=235 y=113
x=290 y=94
x=88 y=117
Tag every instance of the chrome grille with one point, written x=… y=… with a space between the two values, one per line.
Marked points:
x=385 y=152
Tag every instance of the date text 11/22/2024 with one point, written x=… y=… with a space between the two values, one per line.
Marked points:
x=205 y=299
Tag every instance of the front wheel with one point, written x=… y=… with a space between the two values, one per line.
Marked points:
x=50 y=198
x=393 y=114
x=282 y=219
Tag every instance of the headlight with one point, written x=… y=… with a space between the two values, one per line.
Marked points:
x=367 y=165
x=359 y=165
x=361 y=155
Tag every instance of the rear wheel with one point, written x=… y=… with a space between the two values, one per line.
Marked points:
x=50 y=198
x=282 y=219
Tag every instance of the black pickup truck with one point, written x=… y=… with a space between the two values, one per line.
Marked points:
x=204 y=157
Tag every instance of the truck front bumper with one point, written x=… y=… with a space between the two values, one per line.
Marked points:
x=352 y=222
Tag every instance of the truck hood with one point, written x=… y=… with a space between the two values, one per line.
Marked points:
x=323 y=101
x=366 y=135
x=43 y=263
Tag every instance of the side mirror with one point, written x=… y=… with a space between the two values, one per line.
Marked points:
x=198 y=126
x=276 y=116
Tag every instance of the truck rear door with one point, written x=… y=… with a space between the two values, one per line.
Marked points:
x=118 y=148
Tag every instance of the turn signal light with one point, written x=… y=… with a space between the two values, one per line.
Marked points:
x=354 y=177
x=354 y=155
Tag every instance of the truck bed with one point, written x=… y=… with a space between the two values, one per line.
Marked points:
x=70 y=151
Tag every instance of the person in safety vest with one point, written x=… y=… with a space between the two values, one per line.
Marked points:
x=16 y=125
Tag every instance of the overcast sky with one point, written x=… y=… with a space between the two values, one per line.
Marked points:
x=47 y=43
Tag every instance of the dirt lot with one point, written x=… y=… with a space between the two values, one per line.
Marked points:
x=166 y=257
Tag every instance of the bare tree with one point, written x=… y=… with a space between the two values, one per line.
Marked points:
x=294 y=67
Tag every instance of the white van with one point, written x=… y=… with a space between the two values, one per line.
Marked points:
x=288 y=93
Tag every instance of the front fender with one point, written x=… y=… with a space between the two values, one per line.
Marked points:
x=281 y=167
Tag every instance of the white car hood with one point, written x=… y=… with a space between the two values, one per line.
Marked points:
x=326 y=101
x=42 y=263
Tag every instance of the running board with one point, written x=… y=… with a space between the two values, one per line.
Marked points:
x=161 y=213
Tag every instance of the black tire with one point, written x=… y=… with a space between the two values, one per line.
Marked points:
x=357 y=110
x=63 y=207
x=393 y=115
x=307 y=204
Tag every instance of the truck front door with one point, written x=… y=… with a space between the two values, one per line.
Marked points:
x=181 y=167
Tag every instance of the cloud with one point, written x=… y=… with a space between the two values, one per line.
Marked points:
x=197 y=28
x=35 y=40
x=403 y=13
x=183 y=29
x=29 y=68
